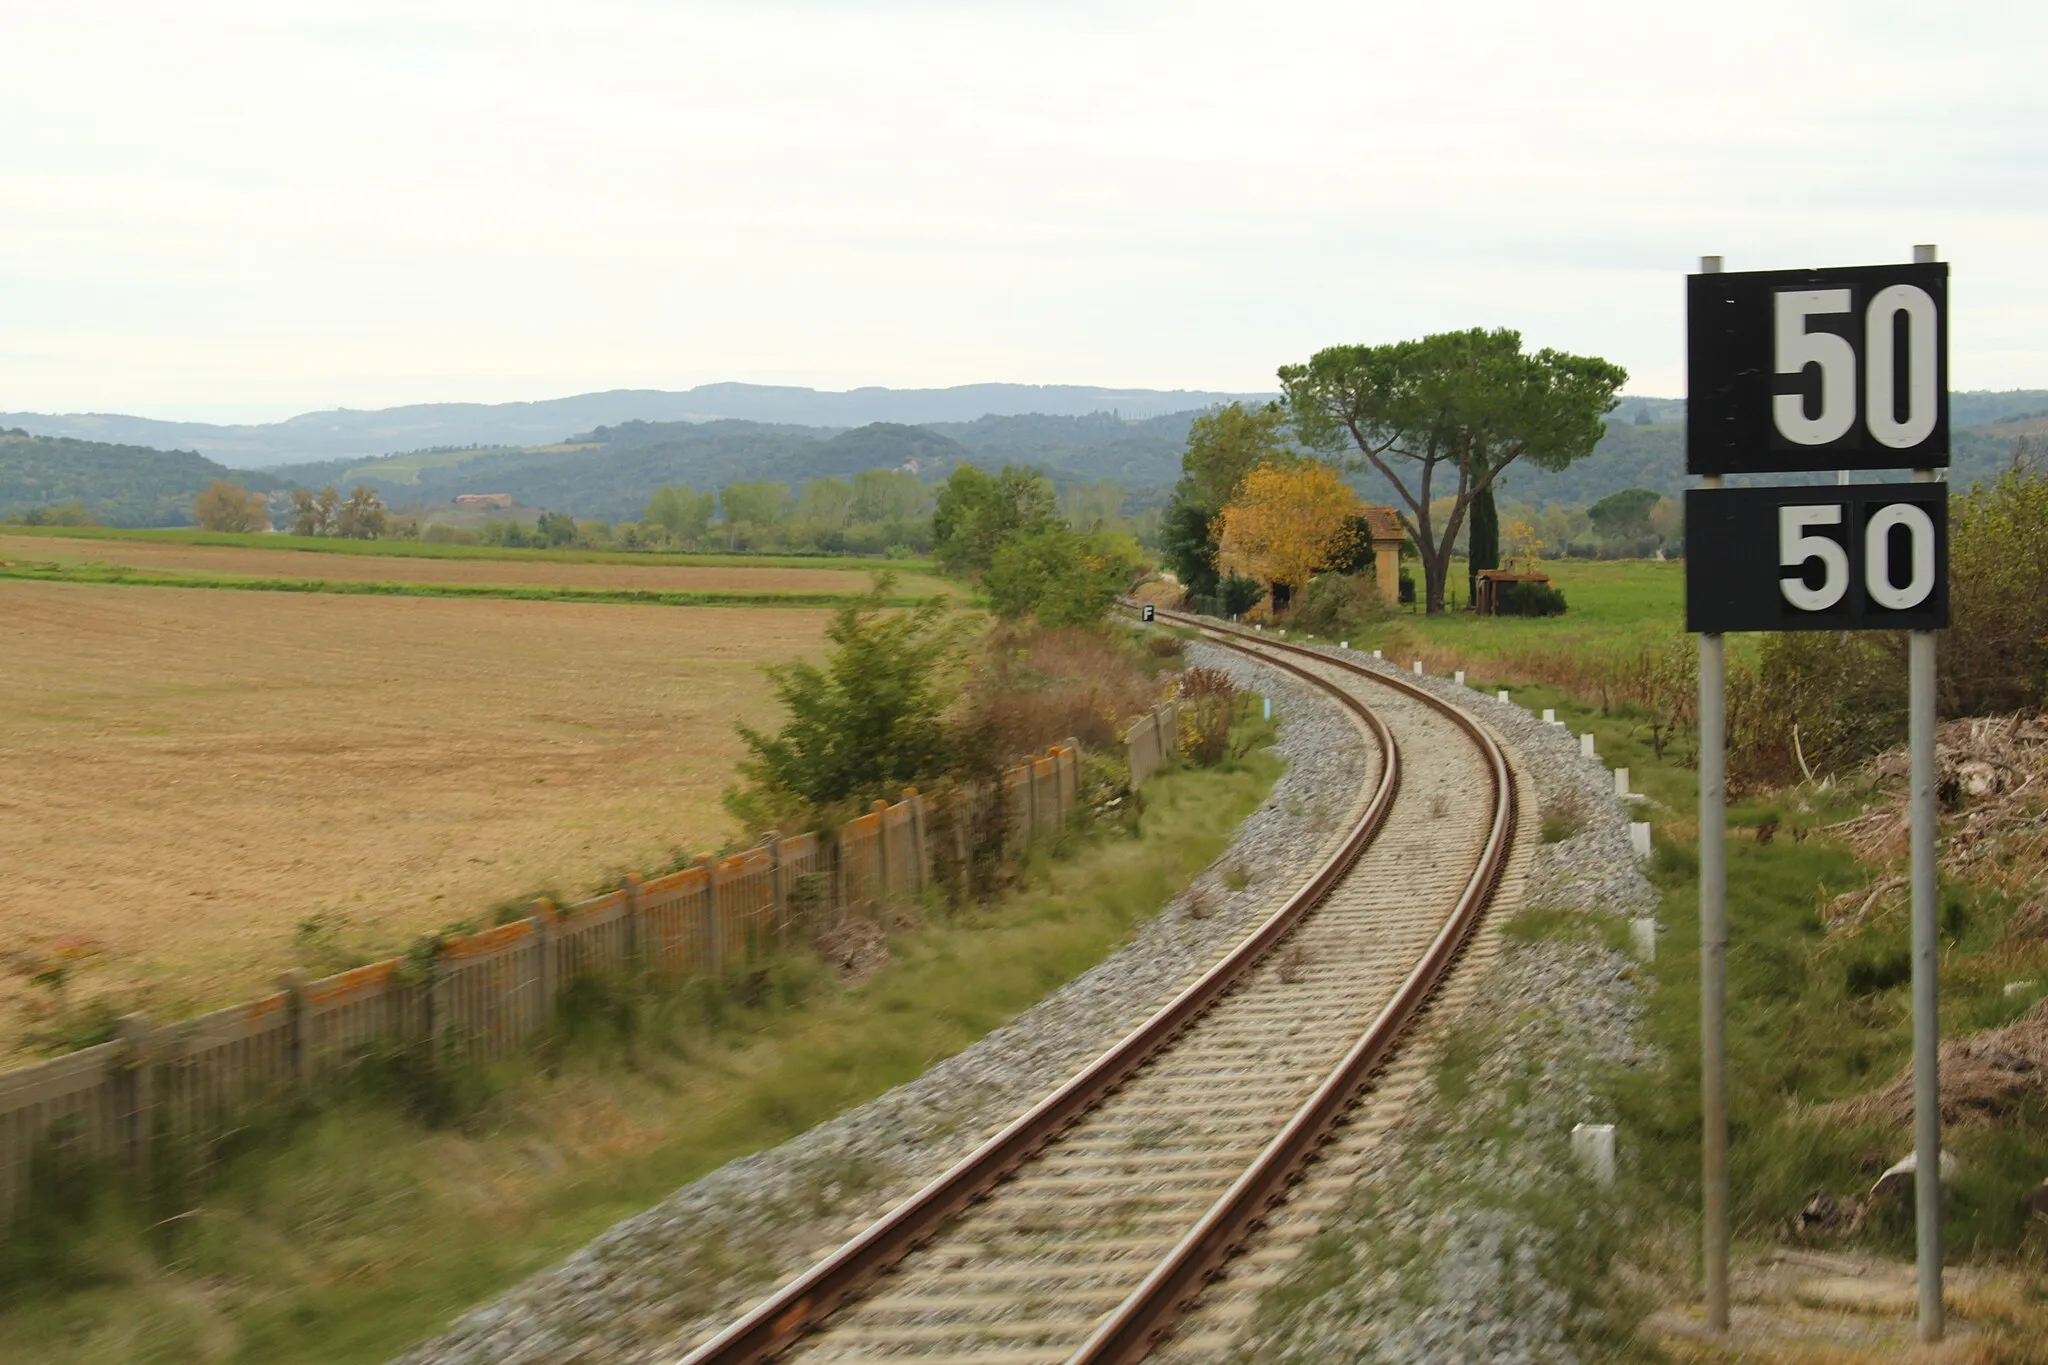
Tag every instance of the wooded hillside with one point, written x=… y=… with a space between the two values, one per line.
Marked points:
x=119 y=485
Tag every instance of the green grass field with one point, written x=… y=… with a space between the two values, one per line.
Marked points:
x=1615 y=608
x=412 y=549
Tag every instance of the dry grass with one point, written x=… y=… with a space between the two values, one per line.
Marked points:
x=1039 y=687
x=218 y=559
x=190 y=775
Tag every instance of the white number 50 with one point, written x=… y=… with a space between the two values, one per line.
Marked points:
x=1795 y=547
x=1796 y=348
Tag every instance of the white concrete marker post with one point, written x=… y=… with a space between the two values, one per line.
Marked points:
x=1501 y=695
x=1639 y=838
x=1549 y=716
x=1418 y=668
x=1459 y=677
x=1621 y=783
x=1593 y=1145
x=1586 y=745
x=1642 y=936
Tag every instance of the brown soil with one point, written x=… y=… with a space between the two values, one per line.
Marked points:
x=185 y=777
x=257 y=563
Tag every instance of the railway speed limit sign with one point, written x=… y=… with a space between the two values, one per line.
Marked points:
x=1864 y=557
x=1799 y=370
x=1792 y=370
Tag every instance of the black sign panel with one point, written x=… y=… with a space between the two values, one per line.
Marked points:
x=1150 y=611
x=1794 y=370
x=1863 y=557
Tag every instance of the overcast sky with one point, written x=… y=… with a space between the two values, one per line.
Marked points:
x=232 y=210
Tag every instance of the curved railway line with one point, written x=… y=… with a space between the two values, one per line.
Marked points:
x=1088 y=1226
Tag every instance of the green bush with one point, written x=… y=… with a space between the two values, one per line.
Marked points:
x=1528 y=599
x=1830 y=697
x=871 y=721
x=1338 y=606
x=1239 y=594
x=1994 y=656
x=1061 y=577
x=976 y=513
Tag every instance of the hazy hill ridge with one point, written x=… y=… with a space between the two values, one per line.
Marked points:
x=610 y=470
x=345 y=433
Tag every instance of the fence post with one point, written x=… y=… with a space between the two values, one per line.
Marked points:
x=629 y=892
x=434 y=1010
x=828 y=866
x=880 y=810
x=1070 y=781
x=293 y=984
x=139 y=1122
x=778 y=884
x=920 y=865
x=714 y=935
x=963 y=847
x=543 y=922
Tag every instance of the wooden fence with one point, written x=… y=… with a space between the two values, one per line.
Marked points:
x=1152 y=739
x=482 y=996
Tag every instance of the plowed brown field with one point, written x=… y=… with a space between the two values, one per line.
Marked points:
x=186 y=776
x=409 y=569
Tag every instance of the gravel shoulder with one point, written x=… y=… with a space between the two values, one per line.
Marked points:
x=658 y=1282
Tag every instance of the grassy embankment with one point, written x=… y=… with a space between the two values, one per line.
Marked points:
x=412 y=549
x=1817 y=1015
x=361 y=1231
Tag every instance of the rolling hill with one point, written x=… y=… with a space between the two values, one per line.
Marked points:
x=122 y=485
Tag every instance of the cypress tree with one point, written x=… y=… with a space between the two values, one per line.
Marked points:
x=1485 y=540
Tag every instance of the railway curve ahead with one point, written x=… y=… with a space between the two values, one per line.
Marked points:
x=1083 y=1229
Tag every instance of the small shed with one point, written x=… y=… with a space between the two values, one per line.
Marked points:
x=1489 y=586
x=1384 y=525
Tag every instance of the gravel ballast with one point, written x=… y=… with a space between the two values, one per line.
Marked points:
x=1464 y=1243
x=655 y=1283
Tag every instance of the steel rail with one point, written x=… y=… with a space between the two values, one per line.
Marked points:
x=781 y=1320
x=1147 y=1315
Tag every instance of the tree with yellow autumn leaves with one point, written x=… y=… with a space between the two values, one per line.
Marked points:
x=1288 y=522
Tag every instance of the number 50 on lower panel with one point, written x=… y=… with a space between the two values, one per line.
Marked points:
x=1864 y=557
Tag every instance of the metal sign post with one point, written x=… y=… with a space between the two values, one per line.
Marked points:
x=1926 y=963
x=1713 y=943
x=1794 y=372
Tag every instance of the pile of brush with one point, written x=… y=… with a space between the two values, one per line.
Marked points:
x=1991 y=784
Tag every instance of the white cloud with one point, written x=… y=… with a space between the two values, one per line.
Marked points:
x=249 y=208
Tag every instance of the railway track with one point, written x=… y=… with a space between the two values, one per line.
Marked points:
x=1083 y=1230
